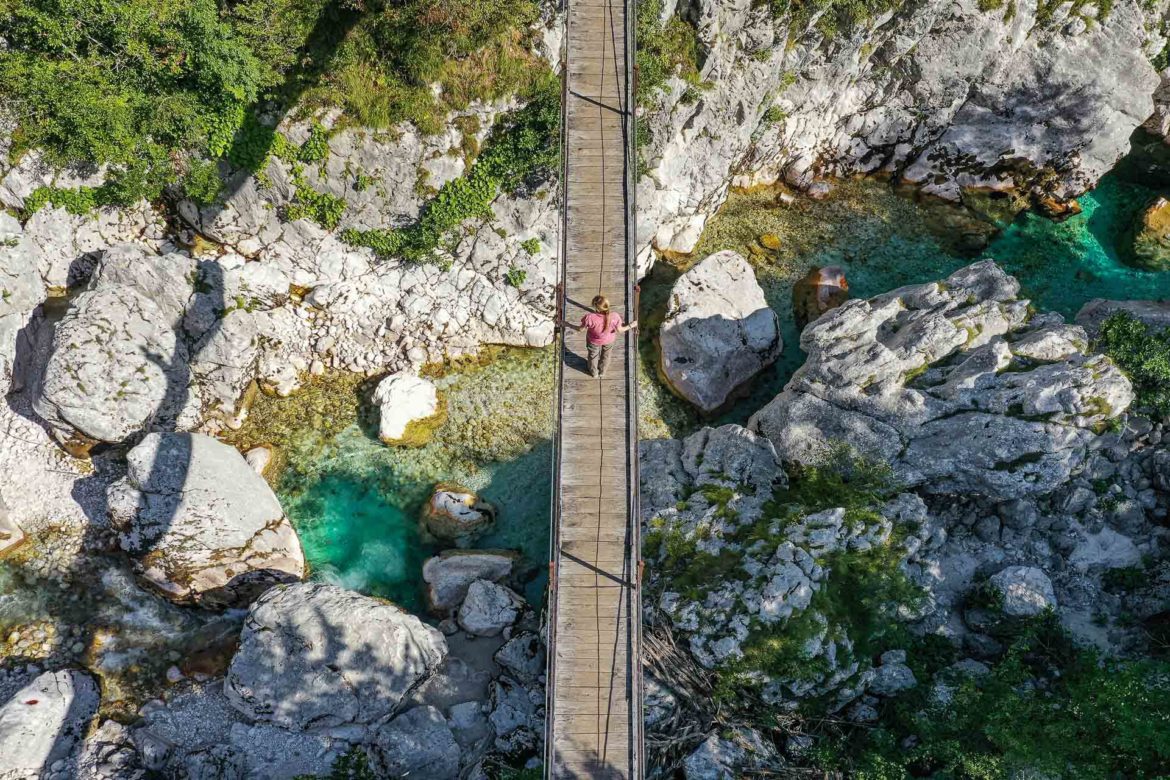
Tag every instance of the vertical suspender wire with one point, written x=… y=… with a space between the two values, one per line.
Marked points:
x=558 y=371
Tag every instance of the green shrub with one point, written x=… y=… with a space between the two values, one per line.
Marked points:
x=531 y=245
x=515 y=276
x=316 y=146
x=201 y=182
x=1143 y=355
x=1047 y=709
x=353 y=765
x=77 y=201
x=124 y=82
x=664 y=50
x=143 y=85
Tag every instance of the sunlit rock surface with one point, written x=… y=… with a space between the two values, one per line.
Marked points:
x=958 y=384
x=718 y=332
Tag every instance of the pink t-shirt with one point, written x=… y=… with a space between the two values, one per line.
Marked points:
x=597 y=333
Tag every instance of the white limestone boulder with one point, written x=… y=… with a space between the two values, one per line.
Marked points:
x=45 y=722
x=203 y=526
x=315 y=656
x=417 y=743
x=449 y=574
x=489 y=608
x=957 y=384
x=1024 y=591
x=409 y=408
x=718 y=332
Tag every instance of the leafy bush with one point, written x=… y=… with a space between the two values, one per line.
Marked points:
x=201 y=182
x=1046 y=709
x=353 y=765
x=123 y=83
x=664 y=49
x=316 y=146
x=515 y=276
x=143 y=85
x=1143 y=355
x=531 y=246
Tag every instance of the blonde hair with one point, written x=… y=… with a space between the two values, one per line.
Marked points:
x=601 y=303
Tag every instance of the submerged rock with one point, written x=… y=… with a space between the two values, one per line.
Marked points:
x=42 y=726
x=409 y=409
x=1150 y=244
x=956 y=384
x=718 y=332
x=449 y=574
x=821 y=289
x=457 y=515
x=203 y=526
x=314 y=655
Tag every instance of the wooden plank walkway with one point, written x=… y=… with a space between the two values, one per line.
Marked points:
x=594 y=712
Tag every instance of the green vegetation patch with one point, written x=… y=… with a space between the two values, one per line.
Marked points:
x=832 y=16
x=1143 y=354
x=664 y=50
x=1047 y=709
x=156 y=88
x=521 y=145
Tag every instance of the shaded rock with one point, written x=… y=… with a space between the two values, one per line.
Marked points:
x=820 y=290
x=742 y=752
x=315 y=655
x=418 y=743
x=523 y=656
x=516 y=714
x=718 y=332
x=449 y=574
x=891 y=678
x=489 y=608
x=1150 y=246
x=456 y=514
x=1155 y=314
x=409 y=409
x=1025 y=591
x=955 y=384
x=203 y=526
x=45 y=722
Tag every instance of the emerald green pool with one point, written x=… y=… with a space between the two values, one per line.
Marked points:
x=884 y=241
x=356 y=502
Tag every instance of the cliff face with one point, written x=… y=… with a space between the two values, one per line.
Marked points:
x=1025 y=99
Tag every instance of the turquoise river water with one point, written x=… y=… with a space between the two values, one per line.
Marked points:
x=356 y=502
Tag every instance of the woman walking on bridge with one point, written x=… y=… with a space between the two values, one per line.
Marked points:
x=602 y=326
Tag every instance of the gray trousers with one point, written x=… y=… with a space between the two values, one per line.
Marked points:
x=598 y=358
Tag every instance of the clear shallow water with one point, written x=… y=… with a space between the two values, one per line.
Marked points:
x=885 y=241
x=356 y=502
